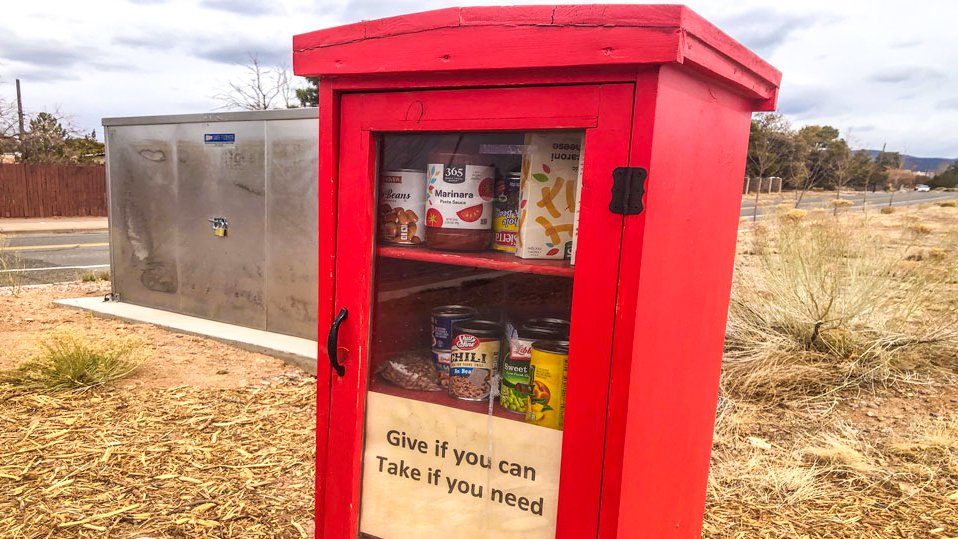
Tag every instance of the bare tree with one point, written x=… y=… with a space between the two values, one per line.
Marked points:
x=262 y=88
x=769 y=149
x=8 y=125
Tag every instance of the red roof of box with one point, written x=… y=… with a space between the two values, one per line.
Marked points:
x=531 y=37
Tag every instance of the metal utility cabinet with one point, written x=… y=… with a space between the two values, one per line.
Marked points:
x=616 y=136
x=214 y=215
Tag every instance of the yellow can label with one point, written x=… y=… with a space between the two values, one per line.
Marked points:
x=547 y=399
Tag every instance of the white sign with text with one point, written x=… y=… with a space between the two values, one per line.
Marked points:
x=434 y=471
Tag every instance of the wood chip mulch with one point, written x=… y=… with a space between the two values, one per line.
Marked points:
x=157 y=463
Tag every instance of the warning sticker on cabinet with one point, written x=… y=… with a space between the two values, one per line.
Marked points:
x=434 y=471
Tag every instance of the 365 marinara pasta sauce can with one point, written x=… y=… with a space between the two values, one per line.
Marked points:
x=459 y=194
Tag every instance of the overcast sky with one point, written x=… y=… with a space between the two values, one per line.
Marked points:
x=880 y=71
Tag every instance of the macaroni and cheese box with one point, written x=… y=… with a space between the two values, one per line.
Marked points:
x=548 y=195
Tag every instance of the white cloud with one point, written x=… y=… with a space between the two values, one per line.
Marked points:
x=881 y=70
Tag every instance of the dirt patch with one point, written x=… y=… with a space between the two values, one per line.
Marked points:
x=172 y=359
x=204 y=440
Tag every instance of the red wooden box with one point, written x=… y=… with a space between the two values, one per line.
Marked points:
x=650 y=90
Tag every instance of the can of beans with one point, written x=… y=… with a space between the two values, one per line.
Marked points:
x=441 y=359
x=549 y=366
x=402 y=203
x=515 y=386
x=443 y=318
x=474 y=358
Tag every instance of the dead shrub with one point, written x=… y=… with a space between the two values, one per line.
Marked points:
x=948 y=204
x=828 y=305
x=887 y=210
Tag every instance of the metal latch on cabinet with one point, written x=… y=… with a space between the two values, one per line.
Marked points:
x=628 y=188
x=220 y=224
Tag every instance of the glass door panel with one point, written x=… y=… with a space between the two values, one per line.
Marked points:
x=431 y=432
x=471 y=317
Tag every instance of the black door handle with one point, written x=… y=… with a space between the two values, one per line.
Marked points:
x=332 y=342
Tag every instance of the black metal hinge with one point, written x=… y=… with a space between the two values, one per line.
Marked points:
x=628 y=188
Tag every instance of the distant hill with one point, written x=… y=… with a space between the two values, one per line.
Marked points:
x=920 y=164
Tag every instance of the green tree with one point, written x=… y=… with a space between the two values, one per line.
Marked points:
x=821 y=158
x=309 y=96
x=948 y=178
x=864 y=171
x=86 y=149
x=45 y=142
x=771 y=147
x=889 y=160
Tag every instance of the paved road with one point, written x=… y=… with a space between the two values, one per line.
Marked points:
x=823 y=200
x=46 y=258
x=64 y=257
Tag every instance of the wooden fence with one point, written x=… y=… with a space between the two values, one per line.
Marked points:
x=52 y=190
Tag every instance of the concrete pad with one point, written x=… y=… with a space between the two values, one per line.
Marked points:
x=296 y=351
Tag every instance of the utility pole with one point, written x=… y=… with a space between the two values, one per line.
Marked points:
x=20 y=110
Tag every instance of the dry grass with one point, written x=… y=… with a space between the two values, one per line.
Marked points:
x=809 y=480
x=11 y=265
x=839 y=414
x=178 y=462
x=828 y=304
x=70 y=360
x=95 y=276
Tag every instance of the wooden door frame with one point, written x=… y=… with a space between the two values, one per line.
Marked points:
x=605 y=112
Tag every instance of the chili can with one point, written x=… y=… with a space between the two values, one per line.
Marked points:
x=443 y=318
x=474 y=358
x=549 y=366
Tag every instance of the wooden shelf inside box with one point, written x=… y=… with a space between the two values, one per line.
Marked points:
x=443 y=398
x=494 y=260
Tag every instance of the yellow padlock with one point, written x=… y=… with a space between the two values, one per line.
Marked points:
x=219 y=231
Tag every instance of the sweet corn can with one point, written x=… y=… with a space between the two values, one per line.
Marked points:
x=549 y=366
x=515 y=385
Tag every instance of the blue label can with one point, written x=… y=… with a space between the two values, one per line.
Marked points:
x=442 y=319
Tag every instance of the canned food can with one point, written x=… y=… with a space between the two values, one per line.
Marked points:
x=441 y=358
x=505 y=213
x=459 y=193
x=443 y=318
x=402 y=204
x=548 y=366
x=515 y=386
x=558 y=326
x=474 y=358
